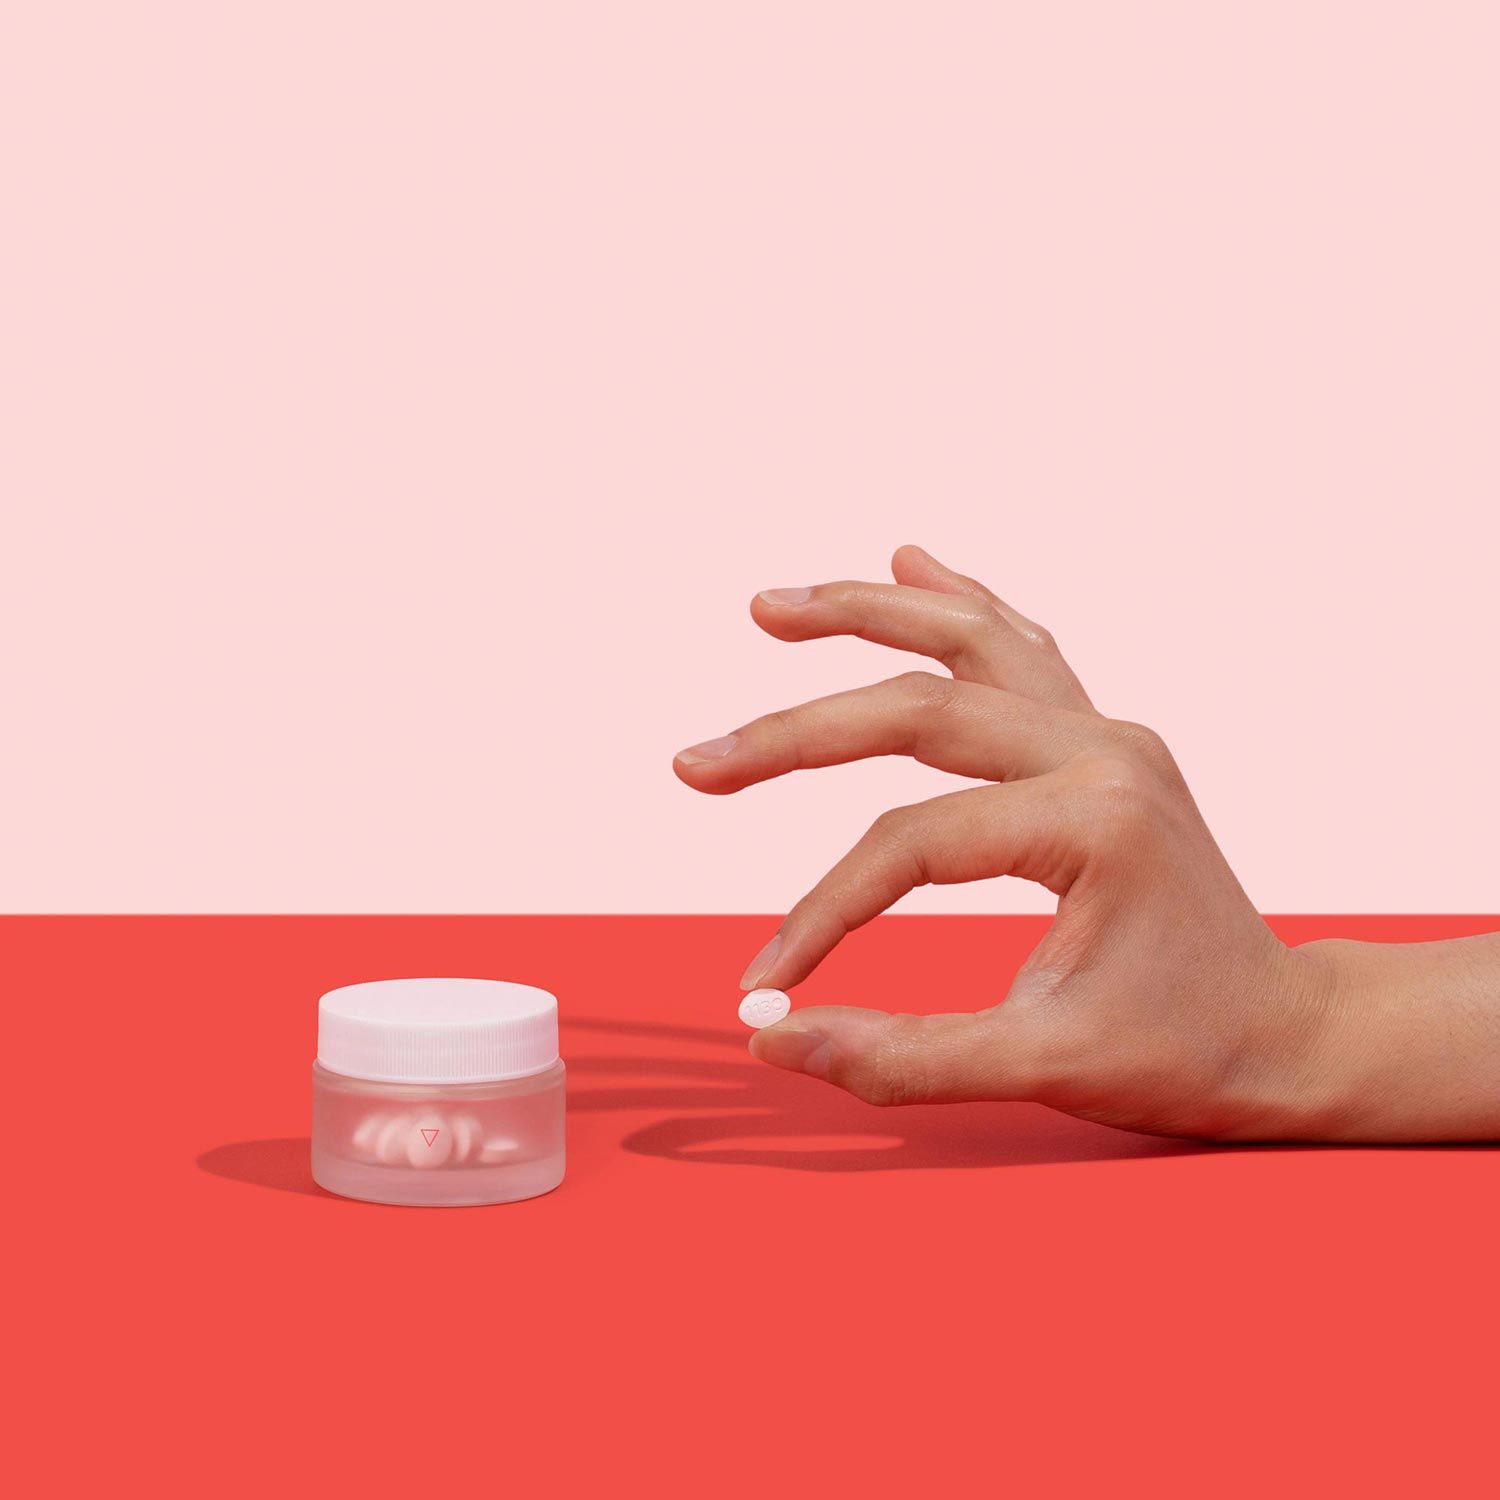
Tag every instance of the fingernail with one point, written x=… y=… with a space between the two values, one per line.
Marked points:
x=799 y=1051
x=760 y=965
x=786 y=596
x=709 y=749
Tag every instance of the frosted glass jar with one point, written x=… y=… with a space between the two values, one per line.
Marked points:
x=437 y=1092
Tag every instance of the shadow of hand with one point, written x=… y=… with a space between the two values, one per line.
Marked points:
x=719 y=1110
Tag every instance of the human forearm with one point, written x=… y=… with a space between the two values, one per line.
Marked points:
x=1409 y=1048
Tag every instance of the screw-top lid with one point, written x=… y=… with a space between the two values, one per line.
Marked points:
x=437 y=1030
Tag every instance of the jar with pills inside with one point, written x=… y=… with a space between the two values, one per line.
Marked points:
x=438 y=1092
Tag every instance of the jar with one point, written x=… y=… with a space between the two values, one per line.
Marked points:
x=437 y=1092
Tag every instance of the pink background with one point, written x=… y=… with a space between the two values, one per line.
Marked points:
x=401 y=404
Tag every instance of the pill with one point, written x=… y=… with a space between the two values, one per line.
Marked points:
x=465 y=1137
x=390 y=1142
x=365 y=1134
x=499 y=1148
x=429 y=1142
x=764 y=1007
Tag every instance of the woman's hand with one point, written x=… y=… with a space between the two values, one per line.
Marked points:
x=1158 y=1000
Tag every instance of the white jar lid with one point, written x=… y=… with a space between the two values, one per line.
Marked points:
x=437 y=1030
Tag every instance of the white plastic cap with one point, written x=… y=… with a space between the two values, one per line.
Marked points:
x=437 y=1030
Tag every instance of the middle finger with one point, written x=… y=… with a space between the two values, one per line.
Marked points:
x=955 y=726
x=968 y=634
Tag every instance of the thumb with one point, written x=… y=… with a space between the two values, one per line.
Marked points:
x=902 y=1059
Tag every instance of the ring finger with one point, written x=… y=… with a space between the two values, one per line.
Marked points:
x=967 y=633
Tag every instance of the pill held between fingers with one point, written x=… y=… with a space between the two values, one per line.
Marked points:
x=764 y=1007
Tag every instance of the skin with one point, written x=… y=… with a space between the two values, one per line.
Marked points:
x=1159 y=1001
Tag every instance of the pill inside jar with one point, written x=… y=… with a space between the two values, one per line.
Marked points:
x=427 y=1139
x=438 y=1092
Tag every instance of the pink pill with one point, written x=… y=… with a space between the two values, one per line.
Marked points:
x=764 y=1007
x=429 y=1142
x=465 y=1137
x=366 y=1133
x=390 y=1140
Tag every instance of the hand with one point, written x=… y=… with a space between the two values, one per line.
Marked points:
x=1158 y=1001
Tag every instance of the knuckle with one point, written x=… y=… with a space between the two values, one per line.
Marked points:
x=1040 y=637
x=1142 y=743
x=890 y=1072
x=1053 y=1031
x=785 y=724
x=874 y=1087
x=925 y=690
x=1119 y=794
x=893 y=825
x=839 y=592
x=893 y=846
x=1056 y=1078
x=984 y=621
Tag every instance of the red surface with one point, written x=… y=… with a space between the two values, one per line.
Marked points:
x=748 y=1284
